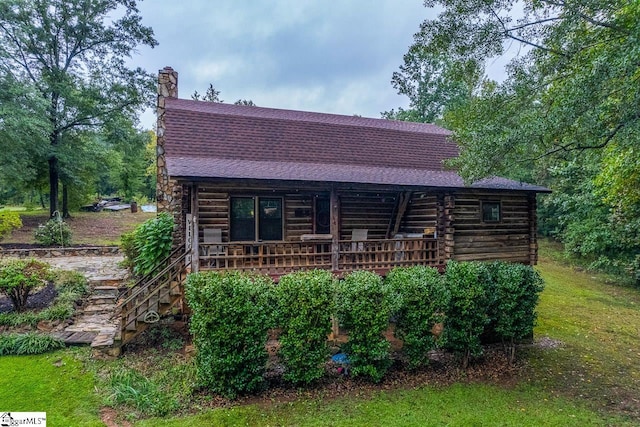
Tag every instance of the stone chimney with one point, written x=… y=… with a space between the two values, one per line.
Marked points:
x=168 y=194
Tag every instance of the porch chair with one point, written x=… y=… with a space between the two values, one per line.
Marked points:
x=210 y=237
x=358 y=236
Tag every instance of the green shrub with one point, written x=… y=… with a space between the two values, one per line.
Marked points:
x=305 y=305
x=19 y=277
x=29 y=343
x=516 y=289
x=149 y=244
x=9 y=221
x=230 y=321
x=424 y=301
x=467 y=310
x=364 y=305
x=54 y=232
x=71 y=288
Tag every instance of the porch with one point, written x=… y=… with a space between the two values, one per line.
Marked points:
x=279 y=258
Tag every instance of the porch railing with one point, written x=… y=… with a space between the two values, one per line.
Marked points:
x=278 y=258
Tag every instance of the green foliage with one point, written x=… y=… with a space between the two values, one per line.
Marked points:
x=19 y=277
x=602 y=231
x=74 y=54
x=54 y=232
x=231 y=317
x=569 y=102
x=152 y=242
x=9 y=220
x=29 y=343
x=364 y=305
x=424 y=301
x=433 y=83
x=132 y=388
x=128 y=247
x=71 y=287
x=515 y=292
x=467 y=317
x=305 y=305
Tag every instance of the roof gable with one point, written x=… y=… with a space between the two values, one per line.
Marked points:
x=223 y=131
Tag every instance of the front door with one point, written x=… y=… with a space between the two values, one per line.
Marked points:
x=322 y=216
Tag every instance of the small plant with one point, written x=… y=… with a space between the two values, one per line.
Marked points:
x=467 y=316
x=19 y=277
x=9 y=221
x=54 y=232
x=424 y=301
x=130 y=387
x=364 y=305
x=29 y=343
x=231 y=317
x=305 y=305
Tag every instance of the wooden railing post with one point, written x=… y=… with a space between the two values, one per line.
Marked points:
x=334 y=228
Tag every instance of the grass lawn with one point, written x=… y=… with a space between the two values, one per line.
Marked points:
x=55 y=383
x=589 y=377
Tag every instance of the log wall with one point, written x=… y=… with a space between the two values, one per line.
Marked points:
x=508 y=239
x=455 y=215
x=366 y=210
x=422 y=212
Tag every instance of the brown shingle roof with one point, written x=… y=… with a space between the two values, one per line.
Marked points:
x=215 y=140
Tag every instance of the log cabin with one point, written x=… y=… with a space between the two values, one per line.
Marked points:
x=273 y=191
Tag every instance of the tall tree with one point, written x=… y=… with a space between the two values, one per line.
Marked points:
x=73 y=52
x=23 y=133
x=434 y=84
x=567 y=111
x=575 y=89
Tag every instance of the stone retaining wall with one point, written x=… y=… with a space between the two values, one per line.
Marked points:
x=58 y=252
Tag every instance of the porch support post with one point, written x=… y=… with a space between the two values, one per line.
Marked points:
x=449 y=227
x=195 y=252
x=334 y=228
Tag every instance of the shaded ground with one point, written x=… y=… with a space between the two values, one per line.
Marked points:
x=36 y=301
x=87 y=228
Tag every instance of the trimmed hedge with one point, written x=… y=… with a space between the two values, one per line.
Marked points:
x=516 y=290
x=232 y=313
x=467 y=316
x=365 y=304
x=424 y=299
x=305 y=305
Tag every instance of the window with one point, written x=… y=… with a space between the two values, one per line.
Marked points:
x=247 y=226
x=490 y=211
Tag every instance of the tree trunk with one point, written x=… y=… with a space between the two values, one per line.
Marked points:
x=65 y=201
x=53 y=185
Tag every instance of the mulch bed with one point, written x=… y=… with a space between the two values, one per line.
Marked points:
x=36 y=301
x=444 y=369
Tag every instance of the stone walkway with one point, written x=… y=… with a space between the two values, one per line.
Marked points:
x=95 y=323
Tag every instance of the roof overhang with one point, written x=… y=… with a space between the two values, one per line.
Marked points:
x=188 y=168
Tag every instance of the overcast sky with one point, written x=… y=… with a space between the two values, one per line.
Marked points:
x=314 y=55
